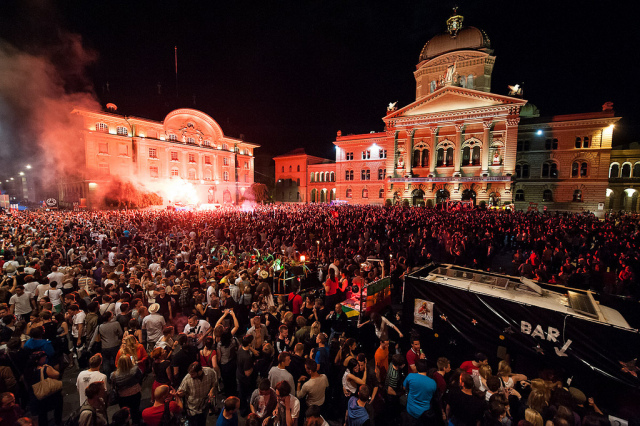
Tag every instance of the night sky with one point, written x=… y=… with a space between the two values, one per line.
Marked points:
x=289 y=74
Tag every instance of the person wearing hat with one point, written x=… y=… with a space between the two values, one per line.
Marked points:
x=152 y=326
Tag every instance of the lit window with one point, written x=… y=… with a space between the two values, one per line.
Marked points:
x=192 y=174
x=349 y=193
x=153 y=153
x=123 y=150
x=102 y=127
x=192 y=158
x=577 y=195
x=173 y=137
x=153 y=172
x=206 y=143
x=225 y=162
x=226 y=176
x=207 y=159
x=175 y=172
x=174 y=156
x=122 y=131
x=365 y=193
x=103 y=148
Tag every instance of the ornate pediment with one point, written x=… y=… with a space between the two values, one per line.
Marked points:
x=453 y=98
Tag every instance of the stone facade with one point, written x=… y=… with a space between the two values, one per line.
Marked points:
x=624 y=178
x=188 y=151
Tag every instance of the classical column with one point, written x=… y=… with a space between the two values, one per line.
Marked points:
x=409 y=146
x=395 y=151
x=167 y=154
x=200 y=169
x=510 y=144
x=457 y=149
x=486 y=126
x=434 y=151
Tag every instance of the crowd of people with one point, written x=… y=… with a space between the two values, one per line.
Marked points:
x=194 y=306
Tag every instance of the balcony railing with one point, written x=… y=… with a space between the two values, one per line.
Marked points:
x=454 y=179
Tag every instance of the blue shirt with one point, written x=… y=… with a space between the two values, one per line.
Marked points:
x=222 y=421
x=420 y=389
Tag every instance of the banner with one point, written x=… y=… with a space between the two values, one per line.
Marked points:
x=423 y=313
x=378 y=295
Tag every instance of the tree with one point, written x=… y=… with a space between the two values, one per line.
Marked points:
x=260 y=192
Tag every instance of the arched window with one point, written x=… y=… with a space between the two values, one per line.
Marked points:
x=614 y=172
x=547 y=195
x=333 y=177
x=349 y=193
x=416 y=158
x=425 y=158
x=122 y=131
x=578 y=142
x=321 y=177
x=626 y=170
x=102 y=127
x=584 y=168
x=298 y=181
x=298 y=167
x=317 y=177
x=475 y=156
x=449 y=159
x=520 y=195
x=381 y=173
x=440 y=157
x=381 y=193
x=365 y=193
x=636 y=170
x=466 y=156
x=575 y=169
x=311 y=178
x=577 y=195
x=470 y=81
x=550 y=170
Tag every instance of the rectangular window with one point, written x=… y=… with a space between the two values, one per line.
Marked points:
x=173 y=138
x=225 y=162
x=192 y=158
x=382 y=153
x=122 y=131
x=226 y=176
x=102 y=127
x=103 y=148
x=174 y=156
x=366 y=155
x=246 y=166
x=123 y=150
x=153 y=172
x=349 y=156
x=551 y=144
x=175 y=172
x=153 y=153
x=207 y=159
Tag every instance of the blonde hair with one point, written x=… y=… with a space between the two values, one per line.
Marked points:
x=288 y=317
x=485 y=371
x=124 y=364
x=504 y=369
x=533 y=417
x=130 y=347
x=315 y=328
x=537 y=400
x=542 y=387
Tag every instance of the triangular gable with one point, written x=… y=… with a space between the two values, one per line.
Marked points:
x=453 y=98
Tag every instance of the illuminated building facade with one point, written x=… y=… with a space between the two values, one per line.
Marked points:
x=624 y=178
x=459 y=142
x=185 y=158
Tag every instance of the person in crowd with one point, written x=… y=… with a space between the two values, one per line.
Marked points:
x=420 y=390
x=474 y=364
x=359 y=411
x=245 y=373
x=10 y=412
x=92 y=375
x=312 y=387
x=109 y=334
x=198 y=387
x=37 y=370
x=263 y=400
x=279 y=372
x=164 y=401
x=93 y=411
x=414 y=354
x=126 y=382
x=287 y=411
x=153 y=326
x=229 y=415
x=464 y=407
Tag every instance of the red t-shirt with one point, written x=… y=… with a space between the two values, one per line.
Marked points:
x=412 y=357
x=153 y=415
x=296 y=303
x=333 y=287
x=468 y=367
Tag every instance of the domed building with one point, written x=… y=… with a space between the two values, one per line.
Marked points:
x=461 y=142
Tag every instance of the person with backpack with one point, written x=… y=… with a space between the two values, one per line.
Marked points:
x=94 y=410
x=165 y=410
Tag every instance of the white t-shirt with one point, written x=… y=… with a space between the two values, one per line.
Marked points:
x=55 y=295
x=295 y=406
x=85 y=378
x=31 y=287
x=23 y=303
x=201 y=327
x=77 y=320
x=41 y=290
x=56 y=276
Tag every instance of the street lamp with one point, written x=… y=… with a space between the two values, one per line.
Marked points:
x=28 y=166
x=21 y=173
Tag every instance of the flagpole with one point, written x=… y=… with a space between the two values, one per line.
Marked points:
x=176 y=62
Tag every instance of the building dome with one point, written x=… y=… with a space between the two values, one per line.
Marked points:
x=468 y=38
